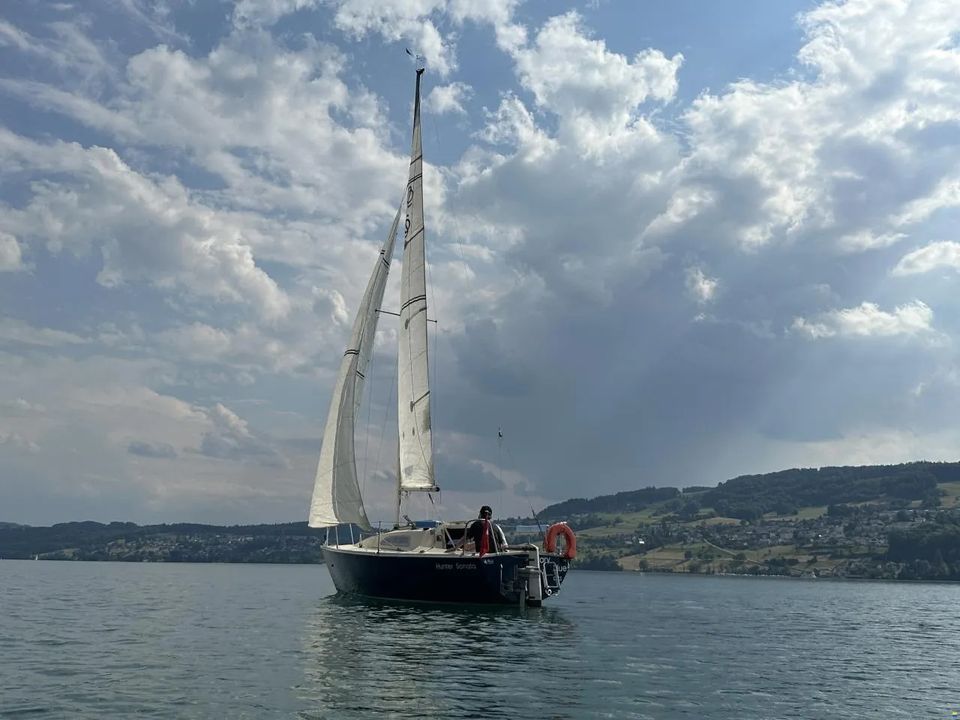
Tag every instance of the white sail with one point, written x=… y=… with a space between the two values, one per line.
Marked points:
x=336 y=492
x=413 y=386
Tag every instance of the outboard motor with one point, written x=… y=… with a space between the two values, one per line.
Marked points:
x=533 y=587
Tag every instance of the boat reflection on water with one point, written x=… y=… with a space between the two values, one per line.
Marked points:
x=367 y=658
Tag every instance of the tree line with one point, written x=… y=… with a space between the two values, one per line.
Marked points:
x=88 y=537
x=749 y=497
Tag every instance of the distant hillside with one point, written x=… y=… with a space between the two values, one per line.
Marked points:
x=181 y=542
x=629 y=501
x=750 y=496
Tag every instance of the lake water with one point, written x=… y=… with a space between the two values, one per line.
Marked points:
x=94 y=640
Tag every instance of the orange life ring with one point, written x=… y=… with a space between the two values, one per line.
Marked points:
x=550 y=541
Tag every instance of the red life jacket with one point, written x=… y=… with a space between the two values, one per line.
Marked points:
x=485 y=538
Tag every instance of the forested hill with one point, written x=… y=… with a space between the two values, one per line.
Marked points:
x=183 y=542
x=750 y=496
x=629 y=501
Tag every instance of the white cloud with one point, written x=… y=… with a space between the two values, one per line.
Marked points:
x=686 y=203
x=12 y=36
x=415 y=22
x=279 y=347
x=943 y=254
x=18 y=442
x=256 y=116
x=146 y=229
x=267 y=12
x=448 y=98
x=11 y=257
x=702 y=288
x=231 y=438
x=852 y=151
x=867 y=240
x=594 y=92
x=946 y=194
x=153 y=15
x=22 y=406
x=396 y=20
x=13 y=330
x=570 y=72
x=868 y=320
x=513 y=124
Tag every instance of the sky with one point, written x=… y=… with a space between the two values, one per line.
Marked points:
x=668 y=244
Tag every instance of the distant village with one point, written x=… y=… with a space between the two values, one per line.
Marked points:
x=840 y=542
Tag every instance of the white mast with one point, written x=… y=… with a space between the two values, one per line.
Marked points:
x=336 y=492
x=413 y=385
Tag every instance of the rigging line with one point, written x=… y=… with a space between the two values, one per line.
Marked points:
x=436 y=353
x=500 y=466
x=393 y=374
x=435 y=131
x=371 y=368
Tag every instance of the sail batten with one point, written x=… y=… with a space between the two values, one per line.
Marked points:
x=413 y=383
x=336 y=492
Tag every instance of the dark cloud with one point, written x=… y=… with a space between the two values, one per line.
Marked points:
x=151 y=450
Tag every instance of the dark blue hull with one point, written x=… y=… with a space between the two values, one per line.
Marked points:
x=451 y=578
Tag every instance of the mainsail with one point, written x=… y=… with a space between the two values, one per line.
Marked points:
x=413 y=385
x=336 y=492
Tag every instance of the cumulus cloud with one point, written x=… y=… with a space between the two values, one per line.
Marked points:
x=595 y=92
x=570 y=72
x=11 y=257
x=210 y=109
x=221 y=212
x=415 y=22
x=145 y=229
x=397 y=20
x=796 y=158
x=231 y=438
x=943 y=254
x=703 y=289
x=281 y=348
x=267 y=12
x=868 y=320
x=448 y=99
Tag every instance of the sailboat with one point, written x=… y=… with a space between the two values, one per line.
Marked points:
x=410 y=562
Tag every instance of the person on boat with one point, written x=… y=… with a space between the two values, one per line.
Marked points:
x=487 y=536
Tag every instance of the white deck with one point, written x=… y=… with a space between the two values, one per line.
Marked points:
x=444 y=540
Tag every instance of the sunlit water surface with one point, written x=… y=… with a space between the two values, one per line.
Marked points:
x=92 y=640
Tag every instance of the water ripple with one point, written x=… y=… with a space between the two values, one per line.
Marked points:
x=93 y=640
